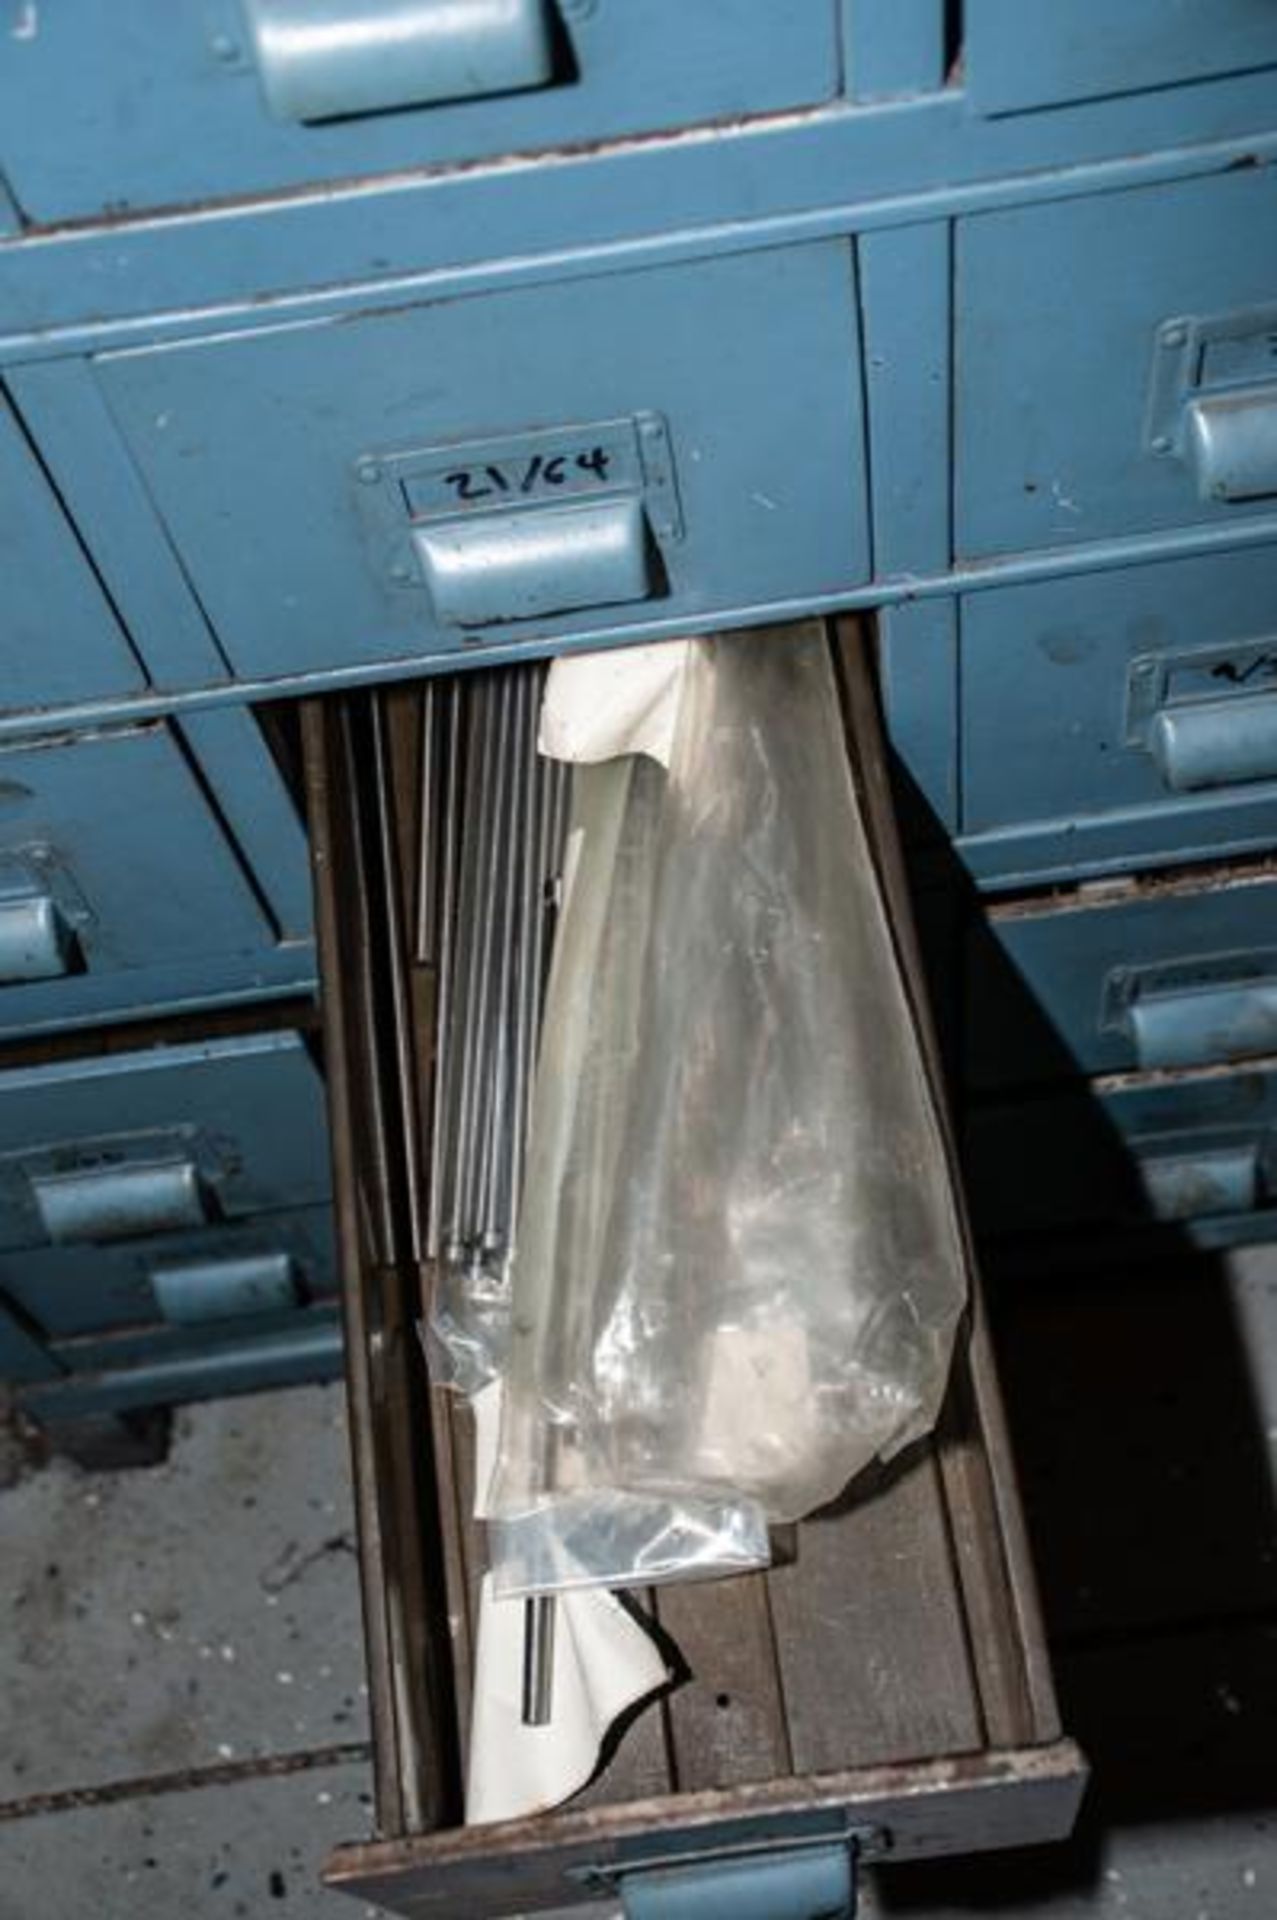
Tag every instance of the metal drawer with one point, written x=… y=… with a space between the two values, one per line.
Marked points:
x=129 y=1145
x=1116 y=720
x=139 y=106
x=1039 y=53
x=570 y=459
x=887 y=1688
x=1094 y=400
x=88 y=1411
x=120 y=890
x=59 y=637
x=1192 y=1155
x=1123 y=716
x=1147 y=973
x=201 y=1280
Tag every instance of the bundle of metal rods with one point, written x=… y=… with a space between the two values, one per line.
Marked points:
x=493 y=824
x=494 y=818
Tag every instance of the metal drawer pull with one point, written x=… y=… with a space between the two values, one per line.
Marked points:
x=1232 y=439
x=1216 y=743
x=794 y=1883
x=329 y=59
x=35 y=941
x=189 y=1292
x=1199 y=1027
x=120 y=1202
x=1191 y=1185
x=512 y=566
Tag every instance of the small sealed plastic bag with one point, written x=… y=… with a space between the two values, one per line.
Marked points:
x=738 y=1270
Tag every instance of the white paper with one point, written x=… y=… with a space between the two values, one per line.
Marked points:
x=605 y=1662
x=600 y=705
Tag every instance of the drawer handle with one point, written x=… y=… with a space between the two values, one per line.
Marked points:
x=791 y=1883
x=190 y=1292
x=512 y=566
x=36 y=942
x=1203 y=1026
x=1192 y=1185
x=330 y=59
x=1232 y=441
x=1216 y=743
x=120 y=1202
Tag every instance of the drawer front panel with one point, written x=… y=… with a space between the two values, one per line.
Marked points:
x=1195 y=1152
x=112 y=863
x=170 y=1368
x=136 y=106
x=203 y=1280
x=1097 y=400
x=1072 y=691
x=133 y=1145
x=59 y=639
x=1157 y=975
x=1037 y=53
x=512 y=467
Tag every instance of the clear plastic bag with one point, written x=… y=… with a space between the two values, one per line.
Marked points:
x=739 y=1266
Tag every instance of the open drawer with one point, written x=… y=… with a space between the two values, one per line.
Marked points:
x=882 y=1693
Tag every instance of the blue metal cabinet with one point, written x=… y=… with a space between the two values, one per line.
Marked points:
x=130 y=1145
x=1193 y=1153
x=120 y=890
x=1074 y=726
x=598 y=455
x=1115 y=364
x=1147 y=973
x=204 y=1278
x=136 y=105
x=59 y=638
x=1039 y=53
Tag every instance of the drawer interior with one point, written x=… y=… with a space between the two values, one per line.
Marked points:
x=885 y=1681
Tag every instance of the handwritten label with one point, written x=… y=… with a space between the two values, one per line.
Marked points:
x=1244 y=673
x=540 y=473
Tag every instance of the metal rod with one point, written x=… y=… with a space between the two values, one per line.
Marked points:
x=449 y=861
x=430 y=838
x=497 y=1205
x=538 y=1660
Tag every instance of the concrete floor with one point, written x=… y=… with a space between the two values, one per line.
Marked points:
x=181 y=1693
x=181 y=1674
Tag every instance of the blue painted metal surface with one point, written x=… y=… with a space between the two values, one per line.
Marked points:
x=918 y=661
x=69 y=1295
x=247 y=1113
x=191 y=1292
x=1173 y=1149
x=180 y=106
x=113 y=830
x=36 y=938
x=1215 y=743
x=1051 y=444
x=1160 y=975
x=796 y=1883
x=1049 y=761
x=900 y=49
x=1037 y=53
x=244 y=1360
x=261 y=815
x=91 y=1204
x=333 y=59
x=497 y=567
x=832 y=172
x=1173 y=1023
x=906 y=305
x=1232 y=440
x=744 y=359
x=59 y=638
x=23 y=1356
